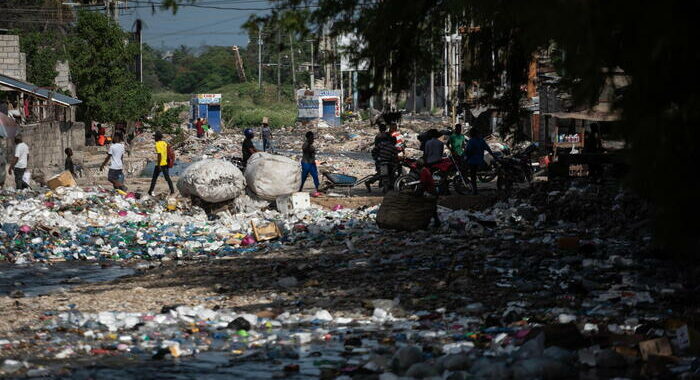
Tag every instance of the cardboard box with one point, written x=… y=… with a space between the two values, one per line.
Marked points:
x=657 y=347
x=64 y=179
x=266 y=231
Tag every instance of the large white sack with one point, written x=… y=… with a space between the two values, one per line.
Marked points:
x=212 y=180
x=270 y=175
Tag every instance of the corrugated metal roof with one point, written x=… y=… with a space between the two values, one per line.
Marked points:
x=38 y=91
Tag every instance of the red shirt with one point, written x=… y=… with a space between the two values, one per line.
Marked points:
x=426 y=179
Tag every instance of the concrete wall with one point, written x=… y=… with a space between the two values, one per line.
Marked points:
x=12 y=61
x=47 y=141
x=62 y=80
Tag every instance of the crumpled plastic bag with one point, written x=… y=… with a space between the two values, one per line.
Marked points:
x=270 y=176
x=212 y=180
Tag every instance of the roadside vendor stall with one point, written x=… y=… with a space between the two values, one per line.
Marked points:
x=207 y=106
x=568 y=142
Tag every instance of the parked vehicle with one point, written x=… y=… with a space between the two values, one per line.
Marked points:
x=516 y=168
x=446 y=173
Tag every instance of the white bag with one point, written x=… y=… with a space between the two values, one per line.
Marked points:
x=270 y=176
x=212 y=180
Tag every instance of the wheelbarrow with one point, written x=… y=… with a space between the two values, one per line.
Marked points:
x=342 y=181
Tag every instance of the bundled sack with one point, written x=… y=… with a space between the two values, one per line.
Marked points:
x=212 y=180
x=405 y=211
x=270 y=176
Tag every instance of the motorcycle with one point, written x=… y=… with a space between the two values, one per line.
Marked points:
x=516 y=168
x=446 y=173
x=488 y=172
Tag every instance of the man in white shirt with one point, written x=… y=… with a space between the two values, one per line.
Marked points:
x=115 y=154
x=19 y=163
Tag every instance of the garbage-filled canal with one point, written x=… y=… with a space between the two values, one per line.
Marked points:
x=41 y=279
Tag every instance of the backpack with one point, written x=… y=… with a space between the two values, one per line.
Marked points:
x=171 y=157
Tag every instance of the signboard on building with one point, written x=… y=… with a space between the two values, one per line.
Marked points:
x=209 y=98
x=319 y=104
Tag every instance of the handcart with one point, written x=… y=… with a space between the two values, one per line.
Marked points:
x=342 y=181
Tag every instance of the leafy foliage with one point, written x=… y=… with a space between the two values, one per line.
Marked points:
x=43 y=50
x=653 y=43
x=101 y=58
x=168 y=121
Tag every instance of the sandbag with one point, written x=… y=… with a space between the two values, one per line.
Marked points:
x=212 y=180
x=405 y=211
x=270 y=176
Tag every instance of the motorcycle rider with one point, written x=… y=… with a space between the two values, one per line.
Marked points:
x=434 y=148
x=476 y=146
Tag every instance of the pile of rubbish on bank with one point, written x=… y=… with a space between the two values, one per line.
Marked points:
x=389 y=342
x=72 y=223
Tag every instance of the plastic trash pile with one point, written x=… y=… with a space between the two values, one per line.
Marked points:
x=98 y=224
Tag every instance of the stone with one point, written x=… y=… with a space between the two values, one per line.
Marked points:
x=406 y=356
x=485 y=368
x=533 y=348
x=610 y=359
x=456 y=362
x=541 y=368
x=421 y=371
x=558 y=353
x=287 y=282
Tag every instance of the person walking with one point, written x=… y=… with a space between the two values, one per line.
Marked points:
x=378 y=138
x=388 y=157
x=68 y=165
x=266 y=136
x=248 y=147
x=476 y=146
x=115 y=154
x=161 y=164
x=3 y=160
x=308 y=163
x=19 y=163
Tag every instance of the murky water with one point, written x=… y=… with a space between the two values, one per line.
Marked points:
x=41 y=279
x=175 y=171
x=213 y=365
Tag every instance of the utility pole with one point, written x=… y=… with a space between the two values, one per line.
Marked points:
x=432 y=91
x=259 y=60
x=415 y=85
x=279 y=65
x=313 y=80
x=112 y=10
x=139 y=28
x=447 y=65
x=294 y=72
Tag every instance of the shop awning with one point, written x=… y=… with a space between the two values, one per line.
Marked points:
x=39 y=92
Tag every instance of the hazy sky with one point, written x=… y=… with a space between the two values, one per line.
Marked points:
x=194 y=26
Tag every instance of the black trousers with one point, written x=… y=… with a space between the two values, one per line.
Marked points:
x=19 y=181
x=472 y=175
x=156 y=172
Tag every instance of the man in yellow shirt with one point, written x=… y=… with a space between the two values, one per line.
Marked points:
x=161 y=164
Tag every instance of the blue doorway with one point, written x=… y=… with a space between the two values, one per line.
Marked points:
x=214 y=117
x=329 y=111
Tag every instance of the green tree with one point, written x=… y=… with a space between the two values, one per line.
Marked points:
x=43 y=50
x=654 y=43
x=101 y=57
